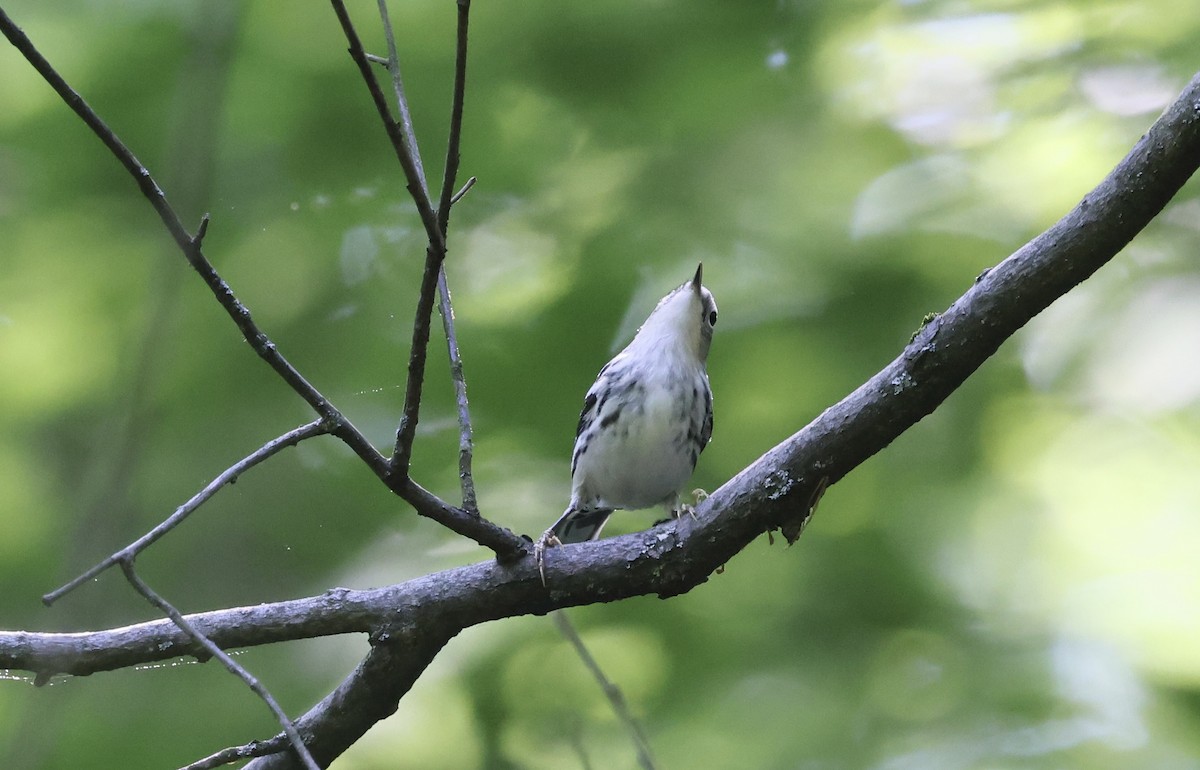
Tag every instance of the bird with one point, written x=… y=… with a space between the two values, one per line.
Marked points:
x=644 y=421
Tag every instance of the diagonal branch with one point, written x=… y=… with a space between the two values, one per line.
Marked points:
x=410 y=622
x=448 y=198
x=228 y=476
x=238 y=753
x=230 y=664
x=396 y=660
x=406 y=123
x=613 y=693
x=404 y=152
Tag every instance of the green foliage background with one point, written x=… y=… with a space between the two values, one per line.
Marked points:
x=1011 y=584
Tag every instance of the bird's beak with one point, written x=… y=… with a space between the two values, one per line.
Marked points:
x=699 y=277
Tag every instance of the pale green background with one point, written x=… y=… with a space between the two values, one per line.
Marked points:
x=1014 y=583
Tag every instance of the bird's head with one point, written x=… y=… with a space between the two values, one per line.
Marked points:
x=684 y=318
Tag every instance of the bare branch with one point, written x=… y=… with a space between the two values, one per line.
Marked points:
x=406 y=431
x=230 y=664
x=410 y=622
x=465 y=189
x=403 y=141
x=502 y=541
x=465 y=441
x=404 y=153
x=385 y=675
x=466 y=444
x=238 y=753
x=406 y=122
x=613 y=693
x=228 y=476
x=456 y=115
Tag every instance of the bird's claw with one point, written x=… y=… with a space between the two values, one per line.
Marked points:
x=698 y=496
x=547 y=540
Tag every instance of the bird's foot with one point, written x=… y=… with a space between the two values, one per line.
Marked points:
x=698 y=496
x=547 y=540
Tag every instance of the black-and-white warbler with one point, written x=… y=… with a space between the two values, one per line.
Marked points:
x=644 y=421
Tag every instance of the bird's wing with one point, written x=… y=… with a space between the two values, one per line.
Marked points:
x=706 y=428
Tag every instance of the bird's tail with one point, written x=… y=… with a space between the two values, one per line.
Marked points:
x=579 y=526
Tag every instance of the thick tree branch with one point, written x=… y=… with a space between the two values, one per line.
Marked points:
x=397 y=659
x=412 y=620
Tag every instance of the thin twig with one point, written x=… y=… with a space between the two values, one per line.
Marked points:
x=394 y=129
x=404 y=144
x=228 y=476
x=408 y=148
x=406 y=122
x=445 y=307
x=466 y=443
x=230 y=664
x=454 y=141
x=611 y=691
x=237 y=753
x=465 y=189
x=406 y=431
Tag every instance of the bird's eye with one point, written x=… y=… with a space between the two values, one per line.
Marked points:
x=712 y=318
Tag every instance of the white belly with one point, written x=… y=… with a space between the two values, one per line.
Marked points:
x=642 y=459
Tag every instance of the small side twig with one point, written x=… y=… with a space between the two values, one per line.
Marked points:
x=611 y=691
x=465 y=189
x=230 y=664
x=228 y=476
x=238 y=753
